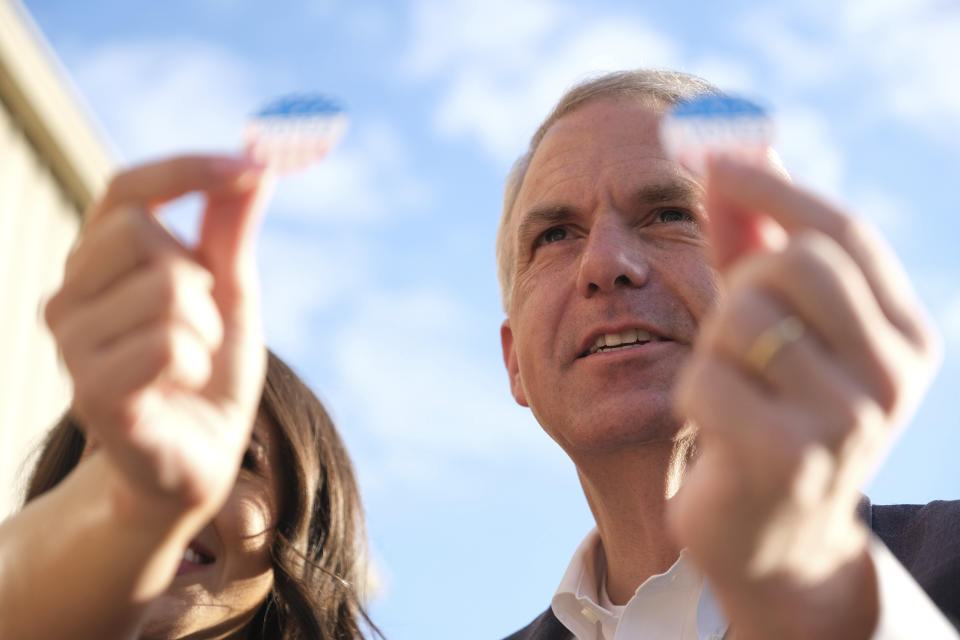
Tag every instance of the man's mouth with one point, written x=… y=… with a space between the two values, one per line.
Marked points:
x=623 y=340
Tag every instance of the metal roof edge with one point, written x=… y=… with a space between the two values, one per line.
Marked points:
x=40 y=95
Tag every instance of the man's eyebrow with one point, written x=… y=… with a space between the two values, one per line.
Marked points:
x=542 y=217
x=669 y=192
x=547 y=216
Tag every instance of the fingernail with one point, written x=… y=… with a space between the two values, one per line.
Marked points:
x=237 y=165
x=717 y=160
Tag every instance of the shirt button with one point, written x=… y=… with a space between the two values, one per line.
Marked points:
x=589 y=614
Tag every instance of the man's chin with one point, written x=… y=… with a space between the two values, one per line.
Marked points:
x=616 y=431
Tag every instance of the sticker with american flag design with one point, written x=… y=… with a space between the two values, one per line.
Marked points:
x=293 y=132
x=716 y=125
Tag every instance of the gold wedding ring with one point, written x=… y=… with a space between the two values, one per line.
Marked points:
x=769 y=343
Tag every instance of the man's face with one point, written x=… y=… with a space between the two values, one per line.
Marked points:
x=610 y=239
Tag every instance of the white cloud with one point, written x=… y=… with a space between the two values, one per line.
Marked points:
x=502 y=76
x=950 y=323
x=162 y=98
x=403 y=364
x=806 y=145
x=898 y=55
x=912 y=46
x=882 y=209
x=730 y=74
x=936 y=286
x=157 y=98
x=368 y=178
x=919 y=62
x=303 y=277
x=859 y=17
x=368 y=23
x=448 y=36
x=796 y=58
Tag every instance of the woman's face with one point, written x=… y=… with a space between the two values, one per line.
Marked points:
x=226 y=573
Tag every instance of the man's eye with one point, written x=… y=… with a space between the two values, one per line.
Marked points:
x=674 y=215
x=553 y=234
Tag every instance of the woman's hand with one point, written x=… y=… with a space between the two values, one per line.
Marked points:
x=164 y=343
x=798 y=382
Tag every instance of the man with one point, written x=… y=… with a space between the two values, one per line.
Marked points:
x=722 y=400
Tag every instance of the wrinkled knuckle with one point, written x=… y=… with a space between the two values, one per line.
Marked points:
x=217 y=328
x=137 y=226
x=89 y=396
x=808 y=251
x=124 y=413
x=710 y=328
x=162 y=349
x=730 y=313
x=786 y=442
x=888 y=389
x=73 y=259
x=854 y=232
x=745 y=271
x=813 y=473
x=742 y=320
x=859 y=424
x=70 y=339
x=868 y=433
x=850 y=412
x=165 y=285
x=84 y=388
x=115 y=185
x=53 y=312
x=782 y=460
x=803 y=244
x=929 y=343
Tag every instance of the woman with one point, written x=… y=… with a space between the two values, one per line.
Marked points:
x=293 y=520
x=195 y=501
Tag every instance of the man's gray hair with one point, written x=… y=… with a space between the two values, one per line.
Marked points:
x=653 y=85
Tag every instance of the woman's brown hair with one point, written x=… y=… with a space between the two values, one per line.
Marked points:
x=319 y=550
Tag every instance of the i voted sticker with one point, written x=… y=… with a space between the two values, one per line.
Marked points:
x=716 y=125
x=294 y=132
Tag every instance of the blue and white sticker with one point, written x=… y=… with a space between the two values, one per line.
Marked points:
x=716 y=125
x=293 y=132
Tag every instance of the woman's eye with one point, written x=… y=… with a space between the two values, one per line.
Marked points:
x=249 y=460
x=674 y=215
x=553 y=234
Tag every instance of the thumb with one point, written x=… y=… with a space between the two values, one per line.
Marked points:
x=231 y=221
x=736 y=231
x=227 y=247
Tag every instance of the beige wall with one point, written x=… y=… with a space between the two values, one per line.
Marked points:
x=37 y=226
x=52 y=164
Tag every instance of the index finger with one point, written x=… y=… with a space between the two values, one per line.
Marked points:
x=737 y=189
x=153 y=184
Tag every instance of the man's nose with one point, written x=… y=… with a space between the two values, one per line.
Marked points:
x=612 y=257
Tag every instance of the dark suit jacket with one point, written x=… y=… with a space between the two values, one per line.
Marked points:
x=924 y=538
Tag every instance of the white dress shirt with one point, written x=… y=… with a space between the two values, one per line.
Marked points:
x=679 y=604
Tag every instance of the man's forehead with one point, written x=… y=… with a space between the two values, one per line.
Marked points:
x=615 y=134
x=600 y=114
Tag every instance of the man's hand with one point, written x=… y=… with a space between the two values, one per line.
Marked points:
x=798 y=381
x=164 y=343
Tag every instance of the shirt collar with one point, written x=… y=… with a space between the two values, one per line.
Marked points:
x=576 y=603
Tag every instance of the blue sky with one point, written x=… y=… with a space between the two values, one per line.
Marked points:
x=378 y=266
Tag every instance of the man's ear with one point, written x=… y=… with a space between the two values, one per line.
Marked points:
x=510 y=361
